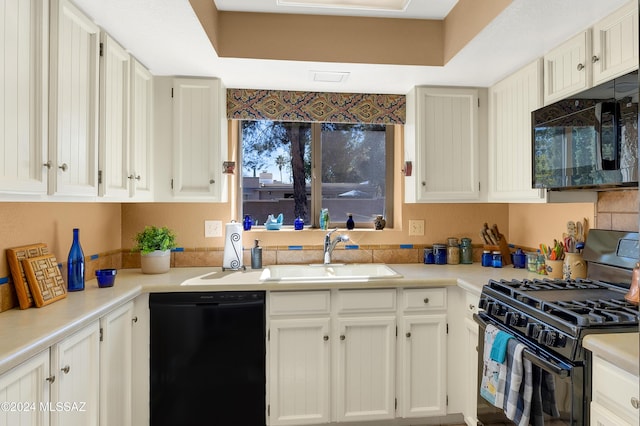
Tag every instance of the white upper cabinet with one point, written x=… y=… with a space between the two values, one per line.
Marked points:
x=441 y=137
x=607 y=50
x=566 y=70
x=615 y=44
x=199 y=139
x=113 y=158
x=73 y=112
x=141 y=125
x=511 y=102
x=24 y=75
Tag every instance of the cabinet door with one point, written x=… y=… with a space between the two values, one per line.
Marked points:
x=600 y=416
x=423 y=367
x=140 y=360
x=365 y=368
x=26 y=384
x=299 y=371
x=615 y=44
x=113 y=158
x=447 y=144
x=73 y=112
x=566 y=70
x=115 y=367
x=76 y=363
x=141 y=125
x=23 y=112
x=511 y=102
x=199 y=139
x=471 y=372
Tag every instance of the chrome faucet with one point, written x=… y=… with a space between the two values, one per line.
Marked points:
x=330 y=245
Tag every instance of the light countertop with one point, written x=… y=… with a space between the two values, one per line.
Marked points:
x=621 y=349
x=24 y=333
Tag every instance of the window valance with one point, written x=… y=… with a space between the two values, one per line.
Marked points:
x=279 y=105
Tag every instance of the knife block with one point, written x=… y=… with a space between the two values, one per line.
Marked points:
x=503 y=248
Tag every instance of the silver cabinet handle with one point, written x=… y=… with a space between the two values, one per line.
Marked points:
x=426 y=300
x=424 y=183
x=47 y=164
x=580 y=67
x=211 y=181
x=63 y=167
x=594 y=59
x=51 y=379
x=65 y=369
x=325 y=337
x=134 y=319
x=133 y=177
x=342 y=337
x=635 y=403
x=471 y=307
x=408 y=334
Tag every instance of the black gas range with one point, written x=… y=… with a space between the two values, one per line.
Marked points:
x=552 y=316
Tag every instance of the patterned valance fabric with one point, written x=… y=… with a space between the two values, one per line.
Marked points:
x=278 y=105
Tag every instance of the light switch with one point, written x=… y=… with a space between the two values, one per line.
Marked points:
x=416 y=228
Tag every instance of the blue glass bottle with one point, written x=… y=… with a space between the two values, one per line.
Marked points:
x=298 y=224
x=246 y=224
x=75 y=264
x=350 y=223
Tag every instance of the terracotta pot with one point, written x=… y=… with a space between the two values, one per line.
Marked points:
x=156 y=262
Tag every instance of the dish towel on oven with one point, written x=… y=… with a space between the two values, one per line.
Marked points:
x=494 y=373
x=519 y=385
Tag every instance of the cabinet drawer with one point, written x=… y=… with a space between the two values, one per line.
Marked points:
x=355 y=301
x=424 y=299
x=614 y=388
x=299 y=302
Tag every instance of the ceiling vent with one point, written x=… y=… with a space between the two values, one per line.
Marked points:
x=329 y=76
x=394 y=5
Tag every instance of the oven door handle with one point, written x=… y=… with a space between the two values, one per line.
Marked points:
x=535 y=359
x=545 y=364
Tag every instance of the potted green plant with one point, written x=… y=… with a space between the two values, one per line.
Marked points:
x=154 y=245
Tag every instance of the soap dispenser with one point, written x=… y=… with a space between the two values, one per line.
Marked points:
x=256 y=256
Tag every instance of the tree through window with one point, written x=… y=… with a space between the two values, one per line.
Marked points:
x=350 y=164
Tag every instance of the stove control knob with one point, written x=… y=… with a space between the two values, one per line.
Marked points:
x=533 y=330
x=549 y=338
x=482 y=304
x=499 y=310
x=515 y=319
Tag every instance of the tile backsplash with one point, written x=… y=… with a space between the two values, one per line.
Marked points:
x=617 y=210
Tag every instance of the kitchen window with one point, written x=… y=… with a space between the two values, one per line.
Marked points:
x=298 y=168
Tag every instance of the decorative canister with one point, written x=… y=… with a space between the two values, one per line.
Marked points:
x=453 y=251
x=429 y=258
x=466 y=251
x=574 y=266
x=496 y=258
x=487 y=260
x=532 y=259
x=440 y=254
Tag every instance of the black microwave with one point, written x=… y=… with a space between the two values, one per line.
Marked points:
x=589 y=140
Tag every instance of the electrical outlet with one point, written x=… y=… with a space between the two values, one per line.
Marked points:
x=212 y=228
x=416 y=228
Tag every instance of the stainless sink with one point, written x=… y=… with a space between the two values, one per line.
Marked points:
x=357 y=272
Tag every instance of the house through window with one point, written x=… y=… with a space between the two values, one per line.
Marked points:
x=298 y=168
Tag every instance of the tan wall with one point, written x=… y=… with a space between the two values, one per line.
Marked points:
x=53 y=223
x=533 y=224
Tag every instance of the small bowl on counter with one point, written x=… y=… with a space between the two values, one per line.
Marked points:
x=106 y=277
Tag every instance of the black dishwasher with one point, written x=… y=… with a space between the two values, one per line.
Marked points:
x=207 y=358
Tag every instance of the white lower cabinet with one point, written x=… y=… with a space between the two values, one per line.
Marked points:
x=115 y=367
x=471 y=372
x=24 y=391
x=337 y=355
x=615 y=395
x=422 y=346
x=75 y=364
x=299 y=371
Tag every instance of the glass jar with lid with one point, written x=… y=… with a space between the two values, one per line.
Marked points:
x=466 y=251
x=453 y=251
x=440 y=254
